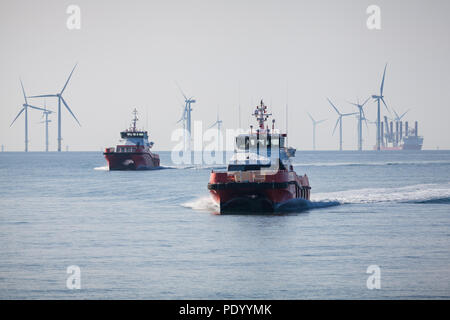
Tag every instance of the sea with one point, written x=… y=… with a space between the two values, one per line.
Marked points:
x=377 y=227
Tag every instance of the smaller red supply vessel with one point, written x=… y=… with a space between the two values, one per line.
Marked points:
x=260 y=176
x=134 y=151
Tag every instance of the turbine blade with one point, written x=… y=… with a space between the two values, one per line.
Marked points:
x=43 y=96
x=183 y=116
x=382 y=81
x=20 y=112
x=23 y=90
x=355 y=104
x=64 y=101
x=213 y=125
x=365 y=119
x=64 y=88
x=404 y=114
x=337 y=122
x=387 y=108
x=365 y=102
x=185 y=98
x=320 y=121
x=310 y=116
x=37 y=108
x=334 y=106
x=348 y=114
x=396 y=114
x=181 y=119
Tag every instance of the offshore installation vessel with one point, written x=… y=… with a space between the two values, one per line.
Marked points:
x=133 y=152
x=260 y=176
x=398 y=139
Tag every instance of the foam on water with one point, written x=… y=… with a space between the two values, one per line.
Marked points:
x=420 y=193
x=104 y=168
x=294 y=205
x=298 y=205
x=203 y=204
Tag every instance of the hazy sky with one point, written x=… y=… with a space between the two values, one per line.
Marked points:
x=130 y=53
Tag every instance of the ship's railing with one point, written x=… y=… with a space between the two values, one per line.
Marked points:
x=246 y=176
x=126 y=149
x=259 y=176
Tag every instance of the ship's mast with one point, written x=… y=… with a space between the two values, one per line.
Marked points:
x=135 y=119
x=261 y=115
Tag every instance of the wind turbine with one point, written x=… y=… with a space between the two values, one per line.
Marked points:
x=398 y=125
x=219 y=124
x=314 y=122
x=25 y=107
x=339 y=121
x=186 y=119
x=379 y=98
x=361 y=117
x=397 y=117
x=60 y=99
x=45 y=114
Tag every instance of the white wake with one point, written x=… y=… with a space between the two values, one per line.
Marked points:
x=414 y=193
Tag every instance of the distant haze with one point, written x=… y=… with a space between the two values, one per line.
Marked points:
x=131 y=54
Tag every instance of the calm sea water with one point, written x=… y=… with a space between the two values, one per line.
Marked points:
x=154 y=234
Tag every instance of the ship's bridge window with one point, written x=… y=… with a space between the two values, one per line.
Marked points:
x=242 y=143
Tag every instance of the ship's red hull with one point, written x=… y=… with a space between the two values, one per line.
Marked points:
x=131 y=160
x=261 y=195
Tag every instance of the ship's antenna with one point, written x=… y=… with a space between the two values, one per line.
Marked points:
x=135 y=119
x=261 y=114
x=239 y=104
x=287 y=117
x=146 y=120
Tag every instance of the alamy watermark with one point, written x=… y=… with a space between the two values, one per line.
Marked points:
x=73 y=22
x=212 y=147
x=74 y=279
x=374 y=280
x=374 y=20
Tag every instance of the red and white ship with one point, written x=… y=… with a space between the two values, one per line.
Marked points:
x=134 y=151
x=260 y=176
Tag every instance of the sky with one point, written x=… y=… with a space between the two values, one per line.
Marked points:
x=224 y=54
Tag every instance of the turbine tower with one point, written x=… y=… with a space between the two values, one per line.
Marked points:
x=314 y=122
x=25 y=107
x=219 y=125
x=187 y=119
x=60 y=99
x=339 y=121
x=361 y=117
x=379 y=98
x=45 y=114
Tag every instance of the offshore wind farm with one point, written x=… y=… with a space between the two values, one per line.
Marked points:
x=385 y=137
